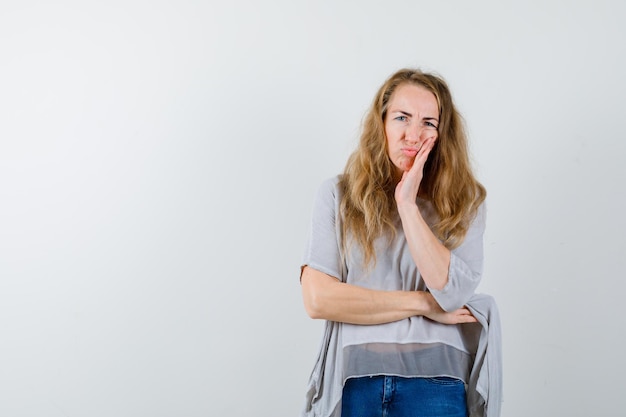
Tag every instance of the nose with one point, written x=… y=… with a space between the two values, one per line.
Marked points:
x=414 y=133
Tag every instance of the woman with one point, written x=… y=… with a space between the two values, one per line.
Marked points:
x=394 y=254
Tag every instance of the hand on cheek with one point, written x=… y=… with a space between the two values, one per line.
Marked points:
x=408 y=187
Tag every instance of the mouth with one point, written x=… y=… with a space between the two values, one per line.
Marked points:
x=410 y=152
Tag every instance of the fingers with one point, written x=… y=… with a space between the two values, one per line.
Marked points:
x=408 y=187
x=425 y=149
x=422 y=155
x=465 y=316
x=460 y=316
x=468 y=319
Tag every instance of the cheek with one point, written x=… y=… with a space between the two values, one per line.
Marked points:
x=393 y=137
x=427 y=134
x=388 y=134
x=389 y=139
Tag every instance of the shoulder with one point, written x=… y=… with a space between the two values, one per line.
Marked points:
x=330 y=186
x=478 y=220
x=481 y=213
x=328 y=196
x=332 y=182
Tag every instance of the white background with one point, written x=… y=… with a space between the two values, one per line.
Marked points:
x=158 y=162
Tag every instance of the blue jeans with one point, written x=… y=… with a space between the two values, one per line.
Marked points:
x=392 y=396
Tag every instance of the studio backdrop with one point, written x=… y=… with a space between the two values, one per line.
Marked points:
x=159 y=160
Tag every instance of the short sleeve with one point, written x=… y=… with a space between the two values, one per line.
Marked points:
x=466 y=266
x=323 y=248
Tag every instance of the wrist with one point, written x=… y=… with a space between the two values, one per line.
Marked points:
x=426 y=304
x=407 y=208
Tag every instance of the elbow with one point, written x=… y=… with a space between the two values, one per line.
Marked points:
x=314 y=294
x=456 y=292
x=313 y=309
x=313 y=303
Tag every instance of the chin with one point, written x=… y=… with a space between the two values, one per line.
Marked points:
x=405 y=165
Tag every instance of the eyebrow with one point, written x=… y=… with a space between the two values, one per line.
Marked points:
x=410 y=115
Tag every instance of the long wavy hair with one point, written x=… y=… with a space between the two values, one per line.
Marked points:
x=368 y=207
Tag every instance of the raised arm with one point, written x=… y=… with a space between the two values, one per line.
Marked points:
x=431 y=257
x=452 y=276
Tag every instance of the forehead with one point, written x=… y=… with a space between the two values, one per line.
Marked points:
x=411 y=96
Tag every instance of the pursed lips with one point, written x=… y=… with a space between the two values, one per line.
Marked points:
x=410 y=151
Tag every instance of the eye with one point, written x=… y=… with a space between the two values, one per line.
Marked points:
x=400 y=118
x=430 y=124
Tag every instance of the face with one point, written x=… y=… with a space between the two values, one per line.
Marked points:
x=412 y=118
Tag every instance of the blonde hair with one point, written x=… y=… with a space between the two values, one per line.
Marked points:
x=368 y=208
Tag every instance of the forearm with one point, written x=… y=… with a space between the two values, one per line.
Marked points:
x=327 y=298
x=430 y=255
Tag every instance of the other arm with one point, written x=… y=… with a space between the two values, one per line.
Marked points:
x=325 y=297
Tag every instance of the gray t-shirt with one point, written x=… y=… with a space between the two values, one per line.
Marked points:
x=412 y=347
